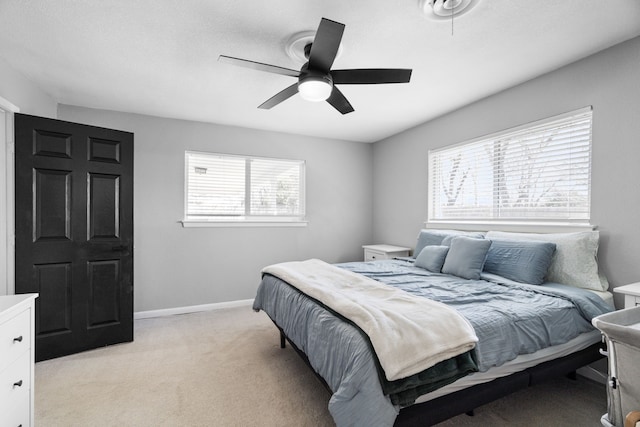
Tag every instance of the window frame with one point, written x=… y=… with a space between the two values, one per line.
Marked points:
x=540 y=225
x=246 y=220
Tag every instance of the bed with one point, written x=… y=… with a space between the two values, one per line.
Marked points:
x=512 y=310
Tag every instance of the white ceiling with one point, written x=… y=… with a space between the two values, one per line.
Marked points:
x=159 y=57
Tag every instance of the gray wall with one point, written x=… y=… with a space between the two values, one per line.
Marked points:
x=609 y=81
x=176 y=266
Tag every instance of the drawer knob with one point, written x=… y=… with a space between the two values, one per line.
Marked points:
x=17 y=384
x=18 y=339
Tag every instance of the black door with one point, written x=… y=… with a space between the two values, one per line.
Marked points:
x=74 y=232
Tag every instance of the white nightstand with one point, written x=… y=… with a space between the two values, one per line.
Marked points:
x=374 y=252
x=631 y=294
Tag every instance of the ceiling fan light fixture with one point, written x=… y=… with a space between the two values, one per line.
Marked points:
x=316 y=78
x=315 y=88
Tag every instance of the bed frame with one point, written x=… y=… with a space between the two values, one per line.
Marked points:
x=467 y=400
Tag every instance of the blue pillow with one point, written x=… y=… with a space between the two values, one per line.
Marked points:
x=466 y=257
x=435 y=237
x=524 y=261
x=447 y=240
x=432 y=257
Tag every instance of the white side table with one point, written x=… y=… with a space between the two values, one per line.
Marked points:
x=631 y=294
x=377 y=252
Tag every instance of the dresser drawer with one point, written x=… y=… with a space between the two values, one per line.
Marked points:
x=15 y=383
x=17 y=414
x=15 y=337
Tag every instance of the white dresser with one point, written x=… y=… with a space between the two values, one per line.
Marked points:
x=17 y=325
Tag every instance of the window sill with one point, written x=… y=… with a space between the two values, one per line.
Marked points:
x=191 y=223
x=518 y=227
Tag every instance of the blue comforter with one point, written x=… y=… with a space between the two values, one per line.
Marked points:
x=509 y=319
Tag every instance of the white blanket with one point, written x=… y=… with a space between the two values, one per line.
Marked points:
x=409 y=333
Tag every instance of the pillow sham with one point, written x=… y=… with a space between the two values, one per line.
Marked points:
x=432 y=258
x=575 y=260
x=466 y=257
x=435 y=237
x=524 y=261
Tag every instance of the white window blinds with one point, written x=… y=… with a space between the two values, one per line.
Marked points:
x=229 y=187
x=539 y=172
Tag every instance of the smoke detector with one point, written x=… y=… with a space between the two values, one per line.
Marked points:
x=446 y=9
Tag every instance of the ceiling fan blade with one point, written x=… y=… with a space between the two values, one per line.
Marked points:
x=371 y=76
x=339 y=101
x=325 y=45
x=283 y=95
x=258 y=66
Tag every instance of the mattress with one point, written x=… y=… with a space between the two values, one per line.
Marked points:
x=524 y=361
x=606 y=297
x=518 y=364
x=509 y=318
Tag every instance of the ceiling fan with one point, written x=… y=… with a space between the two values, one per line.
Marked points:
x=316 y=79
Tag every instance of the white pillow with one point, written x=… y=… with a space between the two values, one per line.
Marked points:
x=575 y=261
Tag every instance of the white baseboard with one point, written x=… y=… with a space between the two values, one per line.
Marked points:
x=191 y=309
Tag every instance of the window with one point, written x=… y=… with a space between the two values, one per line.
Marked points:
x=536 y=173
x=223 y=187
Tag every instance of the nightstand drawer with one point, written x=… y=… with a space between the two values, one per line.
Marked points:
x=377 y=252
x=631 y=301
x=15 y=338
x=371 y=255
x=631 y=294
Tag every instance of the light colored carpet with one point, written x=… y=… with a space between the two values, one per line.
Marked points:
x=225 y=368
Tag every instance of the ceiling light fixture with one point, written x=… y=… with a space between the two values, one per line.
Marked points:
x=314 y=90
x=445 y=9
x=313 y=85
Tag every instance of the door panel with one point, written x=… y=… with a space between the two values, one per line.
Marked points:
x=52 y=144
x=104 y=295
x=52 y=217
x=102 y=150
x=74 y=232
x=104 y=191
x=54 y=285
